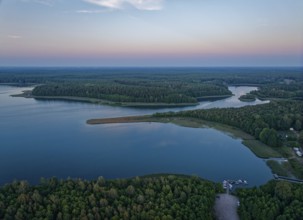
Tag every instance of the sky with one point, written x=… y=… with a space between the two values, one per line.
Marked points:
x=151 y=33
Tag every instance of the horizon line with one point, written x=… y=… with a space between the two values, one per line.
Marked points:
x=121 y=67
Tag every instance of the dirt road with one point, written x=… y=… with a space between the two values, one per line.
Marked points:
x=226 y=207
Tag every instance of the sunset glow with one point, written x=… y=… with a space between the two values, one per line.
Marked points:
x=151 y=33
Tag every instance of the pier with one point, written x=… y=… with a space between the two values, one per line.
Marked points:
x=293 y=180
x=228 y=184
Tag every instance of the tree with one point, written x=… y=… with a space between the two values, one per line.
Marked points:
x=300 y=139
x=130 y=190
x=269 y=136
x=273 y=138
x=298 y=125
x=112 y=193
x=283 y=190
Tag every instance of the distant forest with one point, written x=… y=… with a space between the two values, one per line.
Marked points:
x=156 y=85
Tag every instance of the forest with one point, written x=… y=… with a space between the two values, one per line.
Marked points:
x=261 y=121
x=129 y=91
x=155 y=85
x=287 y=90
x=279 y=200
x=162 y=197
x=231 y=75
x=247 y=98
x=166 y=196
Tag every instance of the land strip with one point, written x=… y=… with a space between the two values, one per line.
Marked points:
x=129 y=119
x=28 y=94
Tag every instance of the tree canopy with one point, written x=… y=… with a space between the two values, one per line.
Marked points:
x=277 y=200
x=261 y=121
x=153 y=197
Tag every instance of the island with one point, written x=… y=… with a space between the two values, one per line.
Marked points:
x=247 y=98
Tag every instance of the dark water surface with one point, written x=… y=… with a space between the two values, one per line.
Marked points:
x=51 y=138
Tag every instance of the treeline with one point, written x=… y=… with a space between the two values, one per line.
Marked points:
x=277 y=200
x=155 y=85
x=167 y=88
x=261 y=121
x=157 y=197
x=134 y=91
x=291 y=90
x=230 y=75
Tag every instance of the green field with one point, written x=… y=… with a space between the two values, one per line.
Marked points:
x=278 y=168
x=260 y=149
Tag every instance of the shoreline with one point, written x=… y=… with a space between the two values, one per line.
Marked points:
x=213 y=98
x=247 y=100
x=261 y=150
x=28 y=94
x=118 y=120
x=181 y=121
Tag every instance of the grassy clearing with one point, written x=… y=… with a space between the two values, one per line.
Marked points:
x=128 y=119
x=184 y=122
x=198 y=123
x=285 y=151
x=292 y=168
x=297 y=167
x=278 y=168
x=261 y=150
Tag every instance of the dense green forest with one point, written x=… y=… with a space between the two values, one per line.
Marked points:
x=156 y=197
x=166 y=197
x=247 y=98
x=261 y=121
x=279 y=200
x=134 y=91
x=234 y=76
x=287 y=90
x=155 y=85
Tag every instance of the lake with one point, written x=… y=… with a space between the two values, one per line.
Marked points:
x=45 y=138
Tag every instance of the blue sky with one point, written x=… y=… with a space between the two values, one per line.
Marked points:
x=151 y=33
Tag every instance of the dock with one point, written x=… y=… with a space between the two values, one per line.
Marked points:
x=228 y=184
x=293 y=180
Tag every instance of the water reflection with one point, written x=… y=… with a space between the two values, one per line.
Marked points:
x=51 y=138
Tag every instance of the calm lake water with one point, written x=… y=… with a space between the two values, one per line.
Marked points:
x=51 y=138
